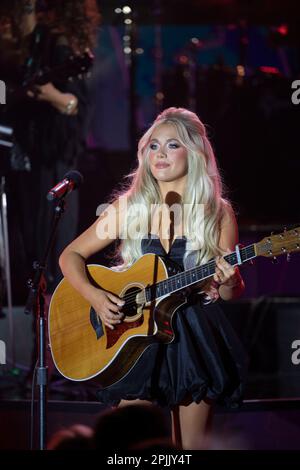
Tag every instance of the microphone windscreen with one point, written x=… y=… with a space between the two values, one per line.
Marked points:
x=75 y=176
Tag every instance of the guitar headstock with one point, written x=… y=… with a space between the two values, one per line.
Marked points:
x=75 y=67
x=79 y=65
x=279 y=244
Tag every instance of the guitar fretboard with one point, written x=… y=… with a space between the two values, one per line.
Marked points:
x=197 y=274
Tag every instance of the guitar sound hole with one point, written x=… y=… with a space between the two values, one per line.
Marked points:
x=130 y=307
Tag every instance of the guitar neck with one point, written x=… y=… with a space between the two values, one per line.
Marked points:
x=199 y=273
x=74 y=67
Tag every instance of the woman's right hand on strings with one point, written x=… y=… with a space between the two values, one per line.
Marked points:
x=107 y=306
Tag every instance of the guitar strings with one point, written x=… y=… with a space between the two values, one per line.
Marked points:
x=132 y=296
x=130 y=299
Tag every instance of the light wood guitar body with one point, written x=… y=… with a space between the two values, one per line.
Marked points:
x=82 y=347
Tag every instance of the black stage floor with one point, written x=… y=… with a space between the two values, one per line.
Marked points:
x=258 y=425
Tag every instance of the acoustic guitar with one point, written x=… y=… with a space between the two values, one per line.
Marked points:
x=83 y=347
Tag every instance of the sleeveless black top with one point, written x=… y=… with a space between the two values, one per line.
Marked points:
x=205 y=361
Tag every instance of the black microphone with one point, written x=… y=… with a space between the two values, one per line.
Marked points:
x=72 y=180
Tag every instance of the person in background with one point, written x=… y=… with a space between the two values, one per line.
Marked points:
x=49 y=121
x=75 y=437
x=135 y=424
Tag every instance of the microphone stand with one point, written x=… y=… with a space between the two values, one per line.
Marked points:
x=36 y=304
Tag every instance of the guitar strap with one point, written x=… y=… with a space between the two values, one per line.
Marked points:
x=172 y=266
x=39 y=53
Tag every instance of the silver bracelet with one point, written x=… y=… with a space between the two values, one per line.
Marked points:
x=70 y=106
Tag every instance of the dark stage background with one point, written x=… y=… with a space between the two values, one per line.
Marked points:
x=234 y=64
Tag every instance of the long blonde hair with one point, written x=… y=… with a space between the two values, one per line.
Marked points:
x=204 y=186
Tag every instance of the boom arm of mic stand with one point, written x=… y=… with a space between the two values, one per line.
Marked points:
x=39 y=268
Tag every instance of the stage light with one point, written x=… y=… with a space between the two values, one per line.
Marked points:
x=126 y=10
x=269 y=70
x=283 y=29
x=183 y=59
x=240 y=70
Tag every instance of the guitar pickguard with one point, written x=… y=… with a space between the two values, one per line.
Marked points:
x=112 y=336
x=96 y=323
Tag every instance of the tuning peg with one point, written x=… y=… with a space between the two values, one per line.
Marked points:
x=275 y=260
